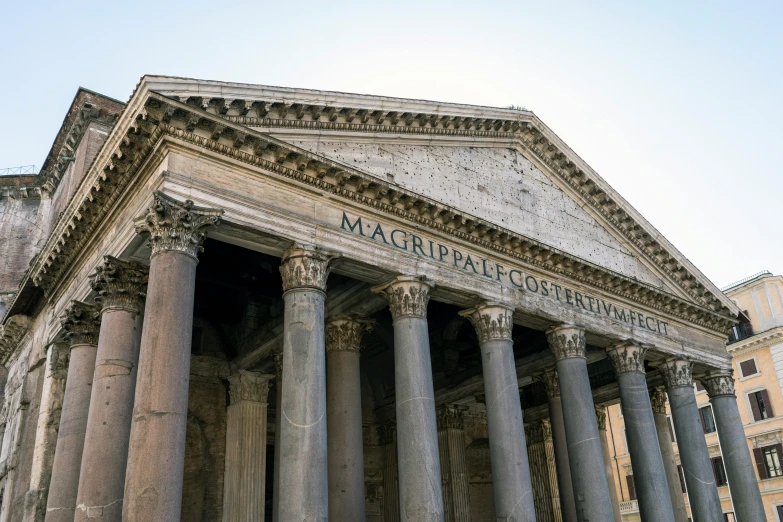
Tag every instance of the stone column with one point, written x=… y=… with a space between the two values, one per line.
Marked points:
x=245 y=479
x=653 y=492
x=694 y=457
x=658 y=402
x=344 y=417
x=122 y=289
x=542 y=470
x=417 y=434
x=585 y=455
x=278 y=356
x=600 y=415
x=304 y=488
x=736 y=456
x=454 y=467
x=508 y=451
x=81 y=324
x=391 y=496
x=564 y=485
x=156 y=450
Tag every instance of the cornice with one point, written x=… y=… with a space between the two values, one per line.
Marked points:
x=755 y=342
x=11 y=335
x=154 y=117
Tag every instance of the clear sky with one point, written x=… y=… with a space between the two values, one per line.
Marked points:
x=676 y=104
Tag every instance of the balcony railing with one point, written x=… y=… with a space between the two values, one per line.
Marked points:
x=740 y=332
x=18 y=171
x=629 y=506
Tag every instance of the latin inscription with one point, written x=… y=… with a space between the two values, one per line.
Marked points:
x=481 y=267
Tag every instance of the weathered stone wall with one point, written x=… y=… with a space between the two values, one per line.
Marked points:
x=496 y=184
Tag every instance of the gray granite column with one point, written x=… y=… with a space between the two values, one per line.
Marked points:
x=658 y=402
x=81 y=325
x=421 y=498
x=454 y=467
x=736 y=455
x=122 y=289
x=508 y=451
x=387 y=438
x=585 y=455
x=304 y=489
x=564 y=485
x=156 y=451
x=694 y=457
x=244 y=482
x=344 y=417
x=278 y=356
x=652 y=490
x=600 y=415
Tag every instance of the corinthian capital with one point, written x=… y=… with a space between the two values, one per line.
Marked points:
x=305 y=268
x=549 y=379
x=81 y=323
x=491 y=321
x=676 y=372
x=407 y=295
x=566 y=341
x=658 y=400
x=600 y=416
x=450 y=416
x=344 y=333
x=627 y=357
x=248 y=386
x=120 y=284
x=175 y=225
x=718 y=383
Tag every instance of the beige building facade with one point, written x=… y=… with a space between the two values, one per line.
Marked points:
x=756 y=348
x=240 y=302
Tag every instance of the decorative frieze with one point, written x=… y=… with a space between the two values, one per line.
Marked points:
x=177 y=226
x=305 y=267
x=120 y=284
x=11 y=333
x=450 y=416
x=491 y=321
x=567 y=341
x=627 y=357
x=676 y=372
x=600 y=416
x=658 y=400
x=344 y=333
x=249 y=386
x=408 y=296
x=82 y=323
x=550 y=381
x=718 y=383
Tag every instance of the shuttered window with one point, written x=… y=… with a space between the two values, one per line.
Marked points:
x=682 y=479
x=719 y=471
x=748 y=368
x=729 y=517
x=779 y=511
x=760 y=406
x=768 y=461
x=631 y=487
x=707 y=420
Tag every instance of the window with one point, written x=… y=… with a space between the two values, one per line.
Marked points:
x=682 y=479
x=768 y=461
x=729 y=517
x=699 y=386
x=631 y=487
x=779 y=511
x=760 y=406
x=707 y=420
x=748 y=368
x=719 y=471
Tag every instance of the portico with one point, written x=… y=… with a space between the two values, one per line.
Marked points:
x=387 y=298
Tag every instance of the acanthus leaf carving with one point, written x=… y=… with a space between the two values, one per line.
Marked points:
x=600 y=416
x=491 y=321
x=567 y=341
x=718 y=383
x=344 y=333
x=450 y=416
x=82 y=323
x=676 y=372
x=658 y=400
x=305 y=267
x=408 y=296
x=627 y=357
x=120 y=284
x=249 y=386
x=550 y=381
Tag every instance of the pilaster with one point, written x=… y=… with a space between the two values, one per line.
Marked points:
x=453 y=464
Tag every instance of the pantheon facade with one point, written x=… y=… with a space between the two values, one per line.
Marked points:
x=247 y=303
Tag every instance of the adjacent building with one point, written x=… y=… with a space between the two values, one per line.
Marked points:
x=756 y=348
x=241 y=302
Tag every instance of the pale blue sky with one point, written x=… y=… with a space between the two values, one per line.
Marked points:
x=677 y=106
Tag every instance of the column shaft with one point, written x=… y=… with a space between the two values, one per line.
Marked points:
x=304 y=488
x=278 y=356
x=736 y=455
x=694 y=457
x=245 y=479
x=82 y=325
x=344 y=419
x=156 y=450
x=585 y=455
x=601 y=417
x=658 y=401
x=421 y=497
x=391 y=495
x=454 y=467
x=122 y=287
